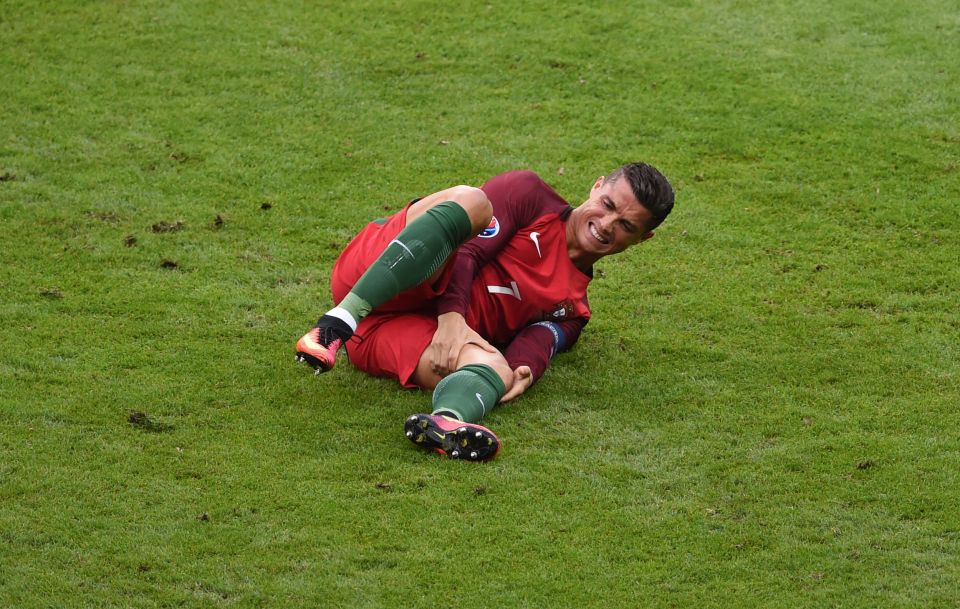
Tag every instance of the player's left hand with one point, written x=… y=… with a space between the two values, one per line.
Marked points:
x=448 y=341
x=522 y=379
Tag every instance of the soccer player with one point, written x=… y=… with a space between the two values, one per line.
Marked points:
x=471 y=291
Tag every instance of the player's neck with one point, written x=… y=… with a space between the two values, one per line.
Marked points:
x=583 y=263
x=581 y=259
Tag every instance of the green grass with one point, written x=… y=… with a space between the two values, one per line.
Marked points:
x=762 y=413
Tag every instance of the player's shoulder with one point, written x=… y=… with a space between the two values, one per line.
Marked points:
x=522 y=178
x=523 y=185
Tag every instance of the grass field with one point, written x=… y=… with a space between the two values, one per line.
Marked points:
x=762 y=413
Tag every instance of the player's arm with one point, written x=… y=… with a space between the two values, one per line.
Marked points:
x=531 y=350
x=516 y=204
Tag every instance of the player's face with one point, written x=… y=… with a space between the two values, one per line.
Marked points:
x=610 y=221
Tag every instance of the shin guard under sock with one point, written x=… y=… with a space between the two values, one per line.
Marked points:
x=415 y=254
x=469 y=393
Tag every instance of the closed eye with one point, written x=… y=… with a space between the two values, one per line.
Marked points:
x=624 y=224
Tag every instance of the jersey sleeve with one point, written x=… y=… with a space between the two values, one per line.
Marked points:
x=535 y=345
x=518 y=199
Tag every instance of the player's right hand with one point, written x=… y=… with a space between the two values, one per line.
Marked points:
x=451 y=335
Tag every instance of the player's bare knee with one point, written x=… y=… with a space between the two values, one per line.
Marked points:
x=475 y=202
x=472 y=354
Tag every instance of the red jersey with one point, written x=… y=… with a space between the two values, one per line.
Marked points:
x=518 y=271
x=514 y=284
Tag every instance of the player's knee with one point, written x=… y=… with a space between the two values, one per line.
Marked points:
x=472 y=354
x=475 y=202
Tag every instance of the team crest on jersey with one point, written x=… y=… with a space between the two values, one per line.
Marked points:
x=563 y=310
x=492 y=230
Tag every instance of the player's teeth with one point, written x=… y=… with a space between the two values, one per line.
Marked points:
x=596 y=234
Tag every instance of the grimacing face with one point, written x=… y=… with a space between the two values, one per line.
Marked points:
x=608 y=222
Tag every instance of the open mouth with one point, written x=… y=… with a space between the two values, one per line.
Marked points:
x=596 y=234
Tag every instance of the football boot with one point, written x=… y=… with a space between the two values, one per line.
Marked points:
x=450 y=437
x=318 y=347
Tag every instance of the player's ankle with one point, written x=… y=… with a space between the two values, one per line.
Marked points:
x=344 y=315
x=335 y=326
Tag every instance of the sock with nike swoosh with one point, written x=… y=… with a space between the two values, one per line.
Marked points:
x=469 y=393
x=416 y=253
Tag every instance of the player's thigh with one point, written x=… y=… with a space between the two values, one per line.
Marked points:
x=391 y=344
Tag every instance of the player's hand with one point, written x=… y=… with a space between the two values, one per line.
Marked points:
x=522 y=379
x=451 y=335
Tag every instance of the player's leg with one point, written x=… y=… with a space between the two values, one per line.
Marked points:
x=435 y=227
x=490 y=376
x=394 y=346
x=460 y=401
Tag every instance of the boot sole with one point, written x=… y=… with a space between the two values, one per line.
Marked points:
x=467 y=441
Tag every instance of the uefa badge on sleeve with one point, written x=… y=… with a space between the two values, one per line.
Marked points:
x=492 y=230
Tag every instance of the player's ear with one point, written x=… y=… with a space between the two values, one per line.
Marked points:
x=598 y=184
x=647 y=235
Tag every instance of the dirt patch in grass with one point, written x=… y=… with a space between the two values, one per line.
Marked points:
x=168 y=227
x=51 y=293
x=141 y=421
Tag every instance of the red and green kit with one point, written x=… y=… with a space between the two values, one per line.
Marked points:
x=514 y=283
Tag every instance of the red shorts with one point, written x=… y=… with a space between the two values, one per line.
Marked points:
x=390 y=344
x=389 y=341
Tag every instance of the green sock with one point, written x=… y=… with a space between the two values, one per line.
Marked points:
x=469 y=393
x=416 y=253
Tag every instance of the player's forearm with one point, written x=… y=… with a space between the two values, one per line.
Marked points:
x=535 y=345
x=456 y=296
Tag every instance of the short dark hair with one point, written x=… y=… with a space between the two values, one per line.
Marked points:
x=650 y=187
